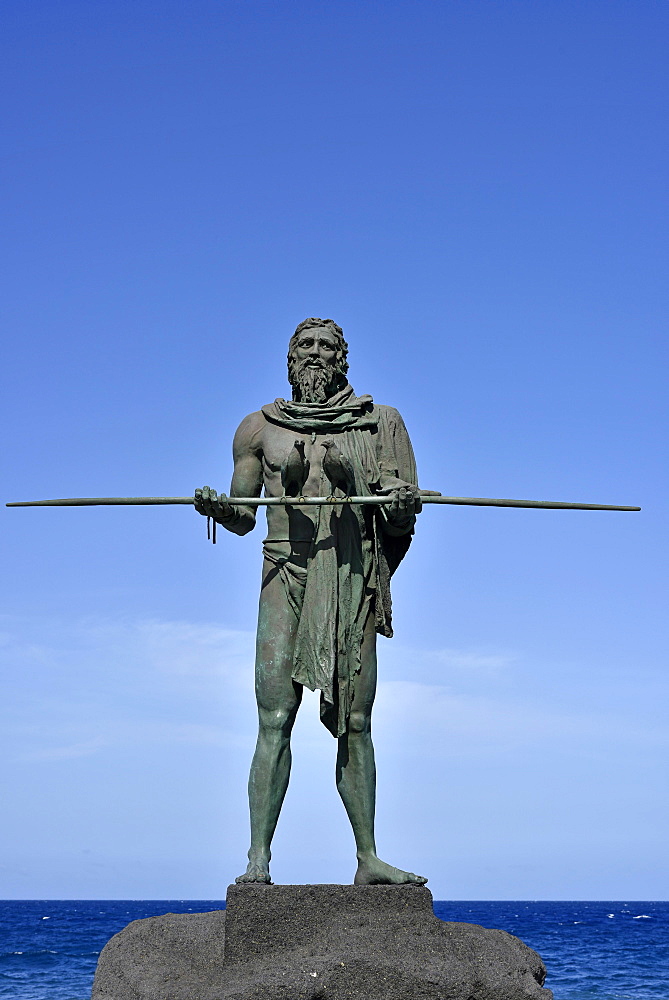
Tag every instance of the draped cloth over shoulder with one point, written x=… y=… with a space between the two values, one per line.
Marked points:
x=352 y=556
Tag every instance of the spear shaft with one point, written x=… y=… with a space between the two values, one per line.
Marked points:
x=311 y=501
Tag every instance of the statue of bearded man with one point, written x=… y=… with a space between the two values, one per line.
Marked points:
x=326 y=576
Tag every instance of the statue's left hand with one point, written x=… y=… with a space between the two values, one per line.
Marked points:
x=406 y=503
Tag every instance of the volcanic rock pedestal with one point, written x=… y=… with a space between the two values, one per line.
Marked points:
x=317 y=942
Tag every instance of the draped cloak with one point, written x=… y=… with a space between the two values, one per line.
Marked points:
x=354 y=551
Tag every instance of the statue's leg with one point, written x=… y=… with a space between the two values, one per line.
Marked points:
x=356 y=769
x=356 y=774
x=278 y=700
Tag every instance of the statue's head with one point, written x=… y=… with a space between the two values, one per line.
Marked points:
x=317 y=362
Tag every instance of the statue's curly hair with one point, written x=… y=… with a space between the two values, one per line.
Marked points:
x=341 y=363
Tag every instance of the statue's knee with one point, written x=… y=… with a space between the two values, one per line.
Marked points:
x=277 y=720
x=359 y=722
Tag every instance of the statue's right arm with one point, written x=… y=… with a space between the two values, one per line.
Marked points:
x=247 y=480
x=247 y=470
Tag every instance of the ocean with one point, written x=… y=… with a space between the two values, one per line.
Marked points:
x=603 y=950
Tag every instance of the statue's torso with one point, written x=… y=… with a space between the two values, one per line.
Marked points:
x=291 y=523
x=293 y=527
x=386 y=456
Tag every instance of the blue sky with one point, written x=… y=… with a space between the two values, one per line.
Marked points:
x=476 y=191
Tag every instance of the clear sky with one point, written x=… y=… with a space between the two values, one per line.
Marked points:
x=477 y=192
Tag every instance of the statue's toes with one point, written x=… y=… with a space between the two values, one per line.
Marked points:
x=254 y=878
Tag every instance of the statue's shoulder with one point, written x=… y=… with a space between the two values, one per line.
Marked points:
x=253 y=420
x=248 y=436
x=389 y=414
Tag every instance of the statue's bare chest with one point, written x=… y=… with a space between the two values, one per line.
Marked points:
x=278 y=443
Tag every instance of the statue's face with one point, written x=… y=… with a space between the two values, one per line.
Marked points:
x=316 y=348
x=313 y=370
x=316 y=364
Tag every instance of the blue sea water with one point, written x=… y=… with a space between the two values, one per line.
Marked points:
x=593 y=950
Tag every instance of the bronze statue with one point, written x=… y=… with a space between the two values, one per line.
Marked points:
x=339 y=477
x=326 y=576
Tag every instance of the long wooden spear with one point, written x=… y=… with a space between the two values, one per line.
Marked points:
x=311 y=501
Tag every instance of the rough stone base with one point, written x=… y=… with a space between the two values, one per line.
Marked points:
x=317 y=942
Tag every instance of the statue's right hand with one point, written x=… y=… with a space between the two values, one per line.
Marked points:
x=208 y=502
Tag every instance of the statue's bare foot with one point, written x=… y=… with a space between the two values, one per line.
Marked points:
x=256 y=872
x=372 y=871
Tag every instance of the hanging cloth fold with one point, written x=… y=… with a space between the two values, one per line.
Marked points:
x=341 y=412
x=352 y=557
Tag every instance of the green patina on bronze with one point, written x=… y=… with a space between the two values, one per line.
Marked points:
x=339 y=481
x=352 y=554
x=300 y=501
x=326 y=577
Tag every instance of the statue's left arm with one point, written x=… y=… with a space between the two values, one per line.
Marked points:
x=399 y=475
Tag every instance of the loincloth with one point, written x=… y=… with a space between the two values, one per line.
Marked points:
x=331 y=604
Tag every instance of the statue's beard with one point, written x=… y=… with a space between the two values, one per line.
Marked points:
x=313 y=382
